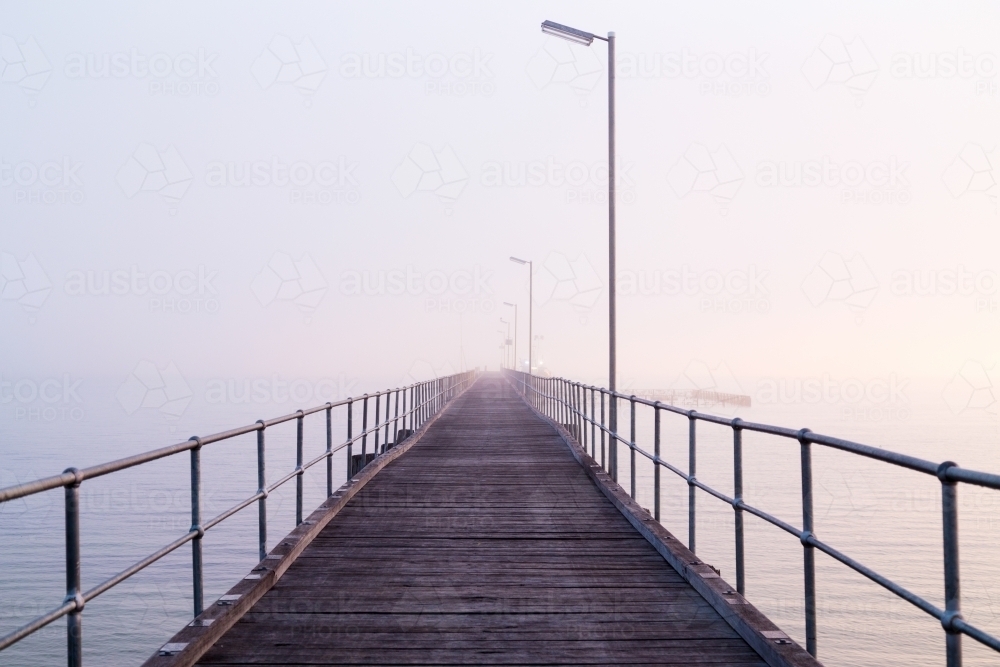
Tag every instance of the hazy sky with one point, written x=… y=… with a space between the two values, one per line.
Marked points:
x=319 y=189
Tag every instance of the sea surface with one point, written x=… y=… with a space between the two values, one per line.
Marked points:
x=885 y=517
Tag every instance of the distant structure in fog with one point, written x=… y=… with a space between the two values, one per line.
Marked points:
x=693 y=398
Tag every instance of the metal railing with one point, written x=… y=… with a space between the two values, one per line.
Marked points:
x=566 y=402
x=424 y=398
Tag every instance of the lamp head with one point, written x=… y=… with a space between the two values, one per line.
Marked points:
x=567 y=33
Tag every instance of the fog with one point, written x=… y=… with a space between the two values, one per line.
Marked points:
x=230 y=191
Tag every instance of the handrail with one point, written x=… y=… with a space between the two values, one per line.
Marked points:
x=425 y=400
x=565 y=401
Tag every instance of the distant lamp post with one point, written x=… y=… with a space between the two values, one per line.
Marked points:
x=586 y=39
x=531 y=307
x=503 y=349
x=514 y=306
x=506 y=342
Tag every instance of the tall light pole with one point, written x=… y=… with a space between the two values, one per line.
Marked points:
x=514 y=306
x=506 y=342
x=586 y=39
x=503 y=349
x=531 y=307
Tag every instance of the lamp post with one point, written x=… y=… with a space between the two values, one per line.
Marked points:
x=502 y=350
x=531 y=307
x=514 y=306
x=506 y=342
x=586 y=39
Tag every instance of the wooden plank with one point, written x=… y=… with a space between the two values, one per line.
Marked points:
x=486 y=543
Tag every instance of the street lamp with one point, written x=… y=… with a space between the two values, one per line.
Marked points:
x=586 y=39
x=503 y=350
x=514 y=306
x=531 y=306
x=506 y=342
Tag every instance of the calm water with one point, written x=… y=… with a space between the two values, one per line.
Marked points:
x=887 y=518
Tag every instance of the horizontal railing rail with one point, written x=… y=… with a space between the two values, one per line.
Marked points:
x=566 y=402
x=425 y=399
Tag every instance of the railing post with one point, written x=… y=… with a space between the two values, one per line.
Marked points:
x=557 y=386
x=378 y=426
x=385 y=432
x=74 y=620
x=196 y=560
x=350 y=439
x=298 y=468
x=571 y=406
x=364 y=430
x=738 y=503
x=692 y=470
x=593 y=426
x=262 y=489
x=560 y=402
x=554 y=401
x=567 y=392
x=574 y=406
x=329 y=450
x=656 y=460
x=808 y=551
x=631 y=440
x=603 y=434
x=613 y=437
x=404 y=391
x=395 y=419
x=581 y=400
x=952 y=582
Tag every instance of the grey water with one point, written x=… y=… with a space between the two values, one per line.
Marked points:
x=885 y=517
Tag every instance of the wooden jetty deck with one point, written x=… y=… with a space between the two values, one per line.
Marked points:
x=486 y=542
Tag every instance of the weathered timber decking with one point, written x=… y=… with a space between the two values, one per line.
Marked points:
x=485 y=543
